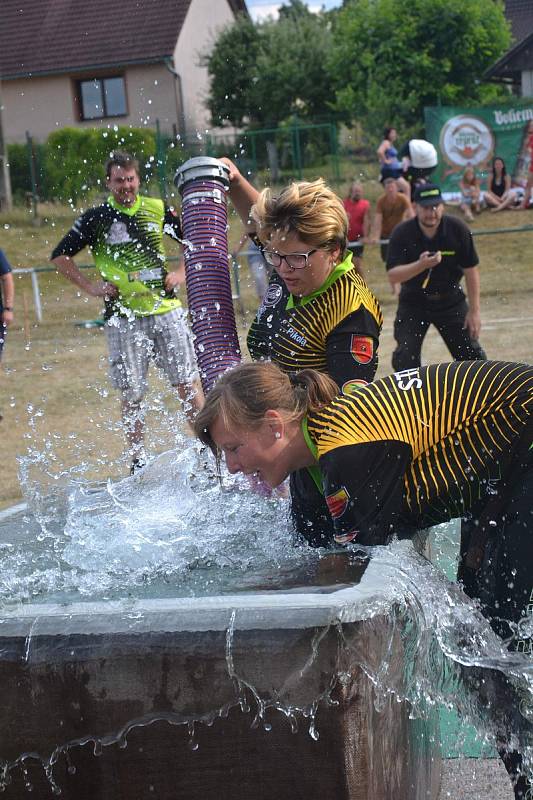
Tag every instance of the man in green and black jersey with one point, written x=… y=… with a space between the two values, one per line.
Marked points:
x=144 y=318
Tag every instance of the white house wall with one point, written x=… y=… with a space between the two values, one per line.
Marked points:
x=152 y=96
x=203 y=22
x=37 y=105
x=527 y=83
x=42 y=105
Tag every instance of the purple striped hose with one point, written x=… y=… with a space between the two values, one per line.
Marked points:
x=203 y=183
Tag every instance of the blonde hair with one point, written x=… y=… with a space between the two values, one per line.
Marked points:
x=472 y=180
x=310 y=209
x=242 y=396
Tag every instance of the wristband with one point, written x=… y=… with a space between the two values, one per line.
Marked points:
x=8 y=308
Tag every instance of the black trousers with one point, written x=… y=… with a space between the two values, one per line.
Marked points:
x=496 y=567
x=447 y=313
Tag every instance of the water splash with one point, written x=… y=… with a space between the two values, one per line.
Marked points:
x=146 y=535
x=173 y=531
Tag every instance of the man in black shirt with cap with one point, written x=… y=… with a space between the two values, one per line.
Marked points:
x=428 y=255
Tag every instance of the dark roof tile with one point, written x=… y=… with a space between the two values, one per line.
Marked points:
x=45 y=36
x=520 y=15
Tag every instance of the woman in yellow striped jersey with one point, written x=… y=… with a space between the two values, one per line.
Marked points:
x=317 y=312
x=408 y=451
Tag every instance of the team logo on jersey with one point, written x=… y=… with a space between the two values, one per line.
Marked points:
x=118 y=234
x=273 y=295
x=344 y=538
x=362 y=348
x=351 y=387
x=338 y=502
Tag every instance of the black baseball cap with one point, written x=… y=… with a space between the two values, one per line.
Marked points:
x=428 y=194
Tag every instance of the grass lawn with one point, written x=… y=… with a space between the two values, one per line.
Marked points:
x=59 y=409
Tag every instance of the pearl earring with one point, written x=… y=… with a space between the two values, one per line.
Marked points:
x=277 y=435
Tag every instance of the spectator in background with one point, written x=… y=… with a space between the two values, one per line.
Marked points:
x=470 y=193
x=7 y=298
x=429 y=255
x=391 y=209
x=529 y=185
x=257 y=265
x=419 y=159
x=499 y=194
x=358 y=212
x=390 y=164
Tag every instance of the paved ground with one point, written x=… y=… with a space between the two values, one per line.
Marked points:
x=475 y=779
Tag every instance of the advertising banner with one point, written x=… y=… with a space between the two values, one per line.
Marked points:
x=474 y=136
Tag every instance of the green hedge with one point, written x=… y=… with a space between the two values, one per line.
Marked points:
x=19 y=168
x=70 y=164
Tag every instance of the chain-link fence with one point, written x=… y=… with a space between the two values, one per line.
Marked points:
x=68 y=167
x=279 y=154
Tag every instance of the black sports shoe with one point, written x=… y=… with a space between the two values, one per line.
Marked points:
x=136 y=465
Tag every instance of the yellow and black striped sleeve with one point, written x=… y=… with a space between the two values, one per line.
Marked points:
x=422 y=446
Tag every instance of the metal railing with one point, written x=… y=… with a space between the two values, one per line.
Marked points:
x=33 y=272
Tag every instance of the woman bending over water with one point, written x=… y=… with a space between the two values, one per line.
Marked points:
x=411 y=450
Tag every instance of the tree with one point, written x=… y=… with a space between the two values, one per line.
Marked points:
x=231 y=66
x=295 y=10
x=261 y=74
x=393 y=57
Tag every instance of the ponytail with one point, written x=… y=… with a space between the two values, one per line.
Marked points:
x=317 y=387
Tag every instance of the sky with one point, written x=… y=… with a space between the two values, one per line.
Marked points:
x=259 y=9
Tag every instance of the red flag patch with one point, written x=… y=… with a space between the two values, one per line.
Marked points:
x=362 y=348
x=337 y=503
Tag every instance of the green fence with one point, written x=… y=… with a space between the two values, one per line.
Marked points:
x=295 y=151
x=277 y=155
x=69 y=166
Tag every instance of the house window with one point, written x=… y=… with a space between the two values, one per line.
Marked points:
x=102 y=97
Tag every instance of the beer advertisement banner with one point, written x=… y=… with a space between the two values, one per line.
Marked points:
x=474 y=136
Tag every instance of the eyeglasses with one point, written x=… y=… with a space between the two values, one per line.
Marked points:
x=293 y=260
